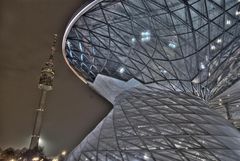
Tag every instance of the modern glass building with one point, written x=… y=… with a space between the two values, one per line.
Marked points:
x=170 y=69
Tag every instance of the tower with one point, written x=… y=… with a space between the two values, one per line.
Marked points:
x=45 y=85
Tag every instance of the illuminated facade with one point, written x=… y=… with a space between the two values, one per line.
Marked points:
x=181 y=57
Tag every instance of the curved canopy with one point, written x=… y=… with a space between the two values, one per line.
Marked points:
x=191 y=46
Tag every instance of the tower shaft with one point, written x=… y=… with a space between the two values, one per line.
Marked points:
x=38 y=120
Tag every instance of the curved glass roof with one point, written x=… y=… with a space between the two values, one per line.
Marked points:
x=191 y=46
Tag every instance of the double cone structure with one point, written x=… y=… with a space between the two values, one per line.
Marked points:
x=154 y=125
x=165 y=66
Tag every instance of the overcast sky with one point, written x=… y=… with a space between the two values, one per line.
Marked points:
x=73 y=109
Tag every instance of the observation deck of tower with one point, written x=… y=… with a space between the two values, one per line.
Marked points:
x=163 y=65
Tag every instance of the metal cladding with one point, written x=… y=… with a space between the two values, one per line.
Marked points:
x=156 y=125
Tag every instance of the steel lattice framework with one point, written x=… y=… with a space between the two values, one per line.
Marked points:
x=178 y=44
x=156 y=125
x=228 y=104
x=183 y=55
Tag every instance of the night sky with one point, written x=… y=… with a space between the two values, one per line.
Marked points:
x=73 y=109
